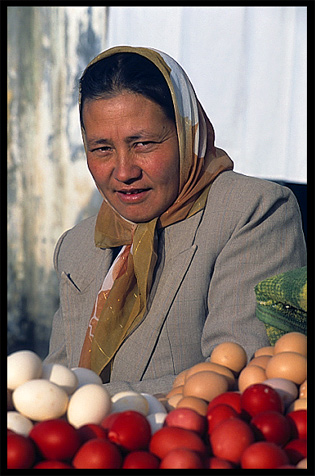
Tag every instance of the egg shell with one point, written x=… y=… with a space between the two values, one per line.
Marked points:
x=292 y=342
x=19 y=423
x=40 y=400
x=86 y=376
x=302 y=464
x=260 y=361
x=298 y=404
x=231 y=355
x=268 y=350
x=287 y=390
x=60 y=375
x=156 y=420
x=205 y=385
x=162 y=398
x=288 y=365
x=180 y=379
x=212 y=366
x=250 y=375
x=130 y=400
x=175 y=391
x=22 y=366
x=200 y=406
x=155 y=406
x=303 y=390
x=172 y=401
x=90 y=403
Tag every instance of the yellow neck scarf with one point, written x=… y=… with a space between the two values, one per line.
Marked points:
x=200 y=163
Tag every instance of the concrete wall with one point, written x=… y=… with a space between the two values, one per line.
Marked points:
x=49 y=186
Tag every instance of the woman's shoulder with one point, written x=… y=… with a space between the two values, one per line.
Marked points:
x=236 y=179
x=239 y=188
x=240 y=202
x=82 y=230
x=234 y=196
x=75 y=242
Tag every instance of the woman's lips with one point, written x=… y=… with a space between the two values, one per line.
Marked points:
x=133 y=195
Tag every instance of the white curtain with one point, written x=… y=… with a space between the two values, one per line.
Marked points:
x=248 y=67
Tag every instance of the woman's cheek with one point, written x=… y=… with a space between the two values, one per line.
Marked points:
x=98 y=170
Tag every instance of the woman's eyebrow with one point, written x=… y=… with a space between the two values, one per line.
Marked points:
x=141 y=135
x=101 y=141
x=92 y=142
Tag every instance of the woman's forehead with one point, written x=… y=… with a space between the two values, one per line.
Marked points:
x=128 y=116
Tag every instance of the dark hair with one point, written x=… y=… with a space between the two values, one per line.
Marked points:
x=126 y=71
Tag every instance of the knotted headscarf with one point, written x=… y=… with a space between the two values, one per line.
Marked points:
x=124 y=304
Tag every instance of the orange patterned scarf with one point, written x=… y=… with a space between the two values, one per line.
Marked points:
x=121 y=303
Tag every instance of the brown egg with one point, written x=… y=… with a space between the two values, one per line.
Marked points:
x=289 y=365
x=175 y=391
x=179 y=379
x=230 y=355
x=269 y=350
x=197 y=404
x=220 y=369
x=302 y=464
x=249 y=375
x=205 y=385
x=260 y=361
x=303 y=390
x=292 y=342
x=298 y=404
x=172 y=401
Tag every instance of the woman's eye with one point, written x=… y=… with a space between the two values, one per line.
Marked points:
x=101 y=149
x=144 y=144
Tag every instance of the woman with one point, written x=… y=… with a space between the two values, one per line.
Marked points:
x=167 y=269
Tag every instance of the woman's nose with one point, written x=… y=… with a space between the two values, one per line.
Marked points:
x=126 y=169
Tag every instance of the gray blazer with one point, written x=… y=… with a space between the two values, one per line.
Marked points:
x=203 y=289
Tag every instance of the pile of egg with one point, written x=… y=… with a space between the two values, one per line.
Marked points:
x=282 y=366
x=38 y=391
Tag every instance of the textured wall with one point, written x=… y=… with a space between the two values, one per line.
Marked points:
x=49 y=186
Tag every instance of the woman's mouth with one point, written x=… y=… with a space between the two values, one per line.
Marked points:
x=133 y=195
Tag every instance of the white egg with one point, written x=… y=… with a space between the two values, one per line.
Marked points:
x=88 y=404
x=60 y=375
x=22 y=366
x=86 y=376
x=156 y=421
x=155 y=406
x=130 y=400
x=287 y=389
x=19 y=423
x=40 y=400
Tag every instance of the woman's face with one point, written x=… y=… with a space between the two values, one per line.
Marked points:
x=132 y=154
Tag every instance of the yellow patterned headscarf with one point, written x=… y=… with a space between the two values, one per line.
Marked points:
x=200 y=163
